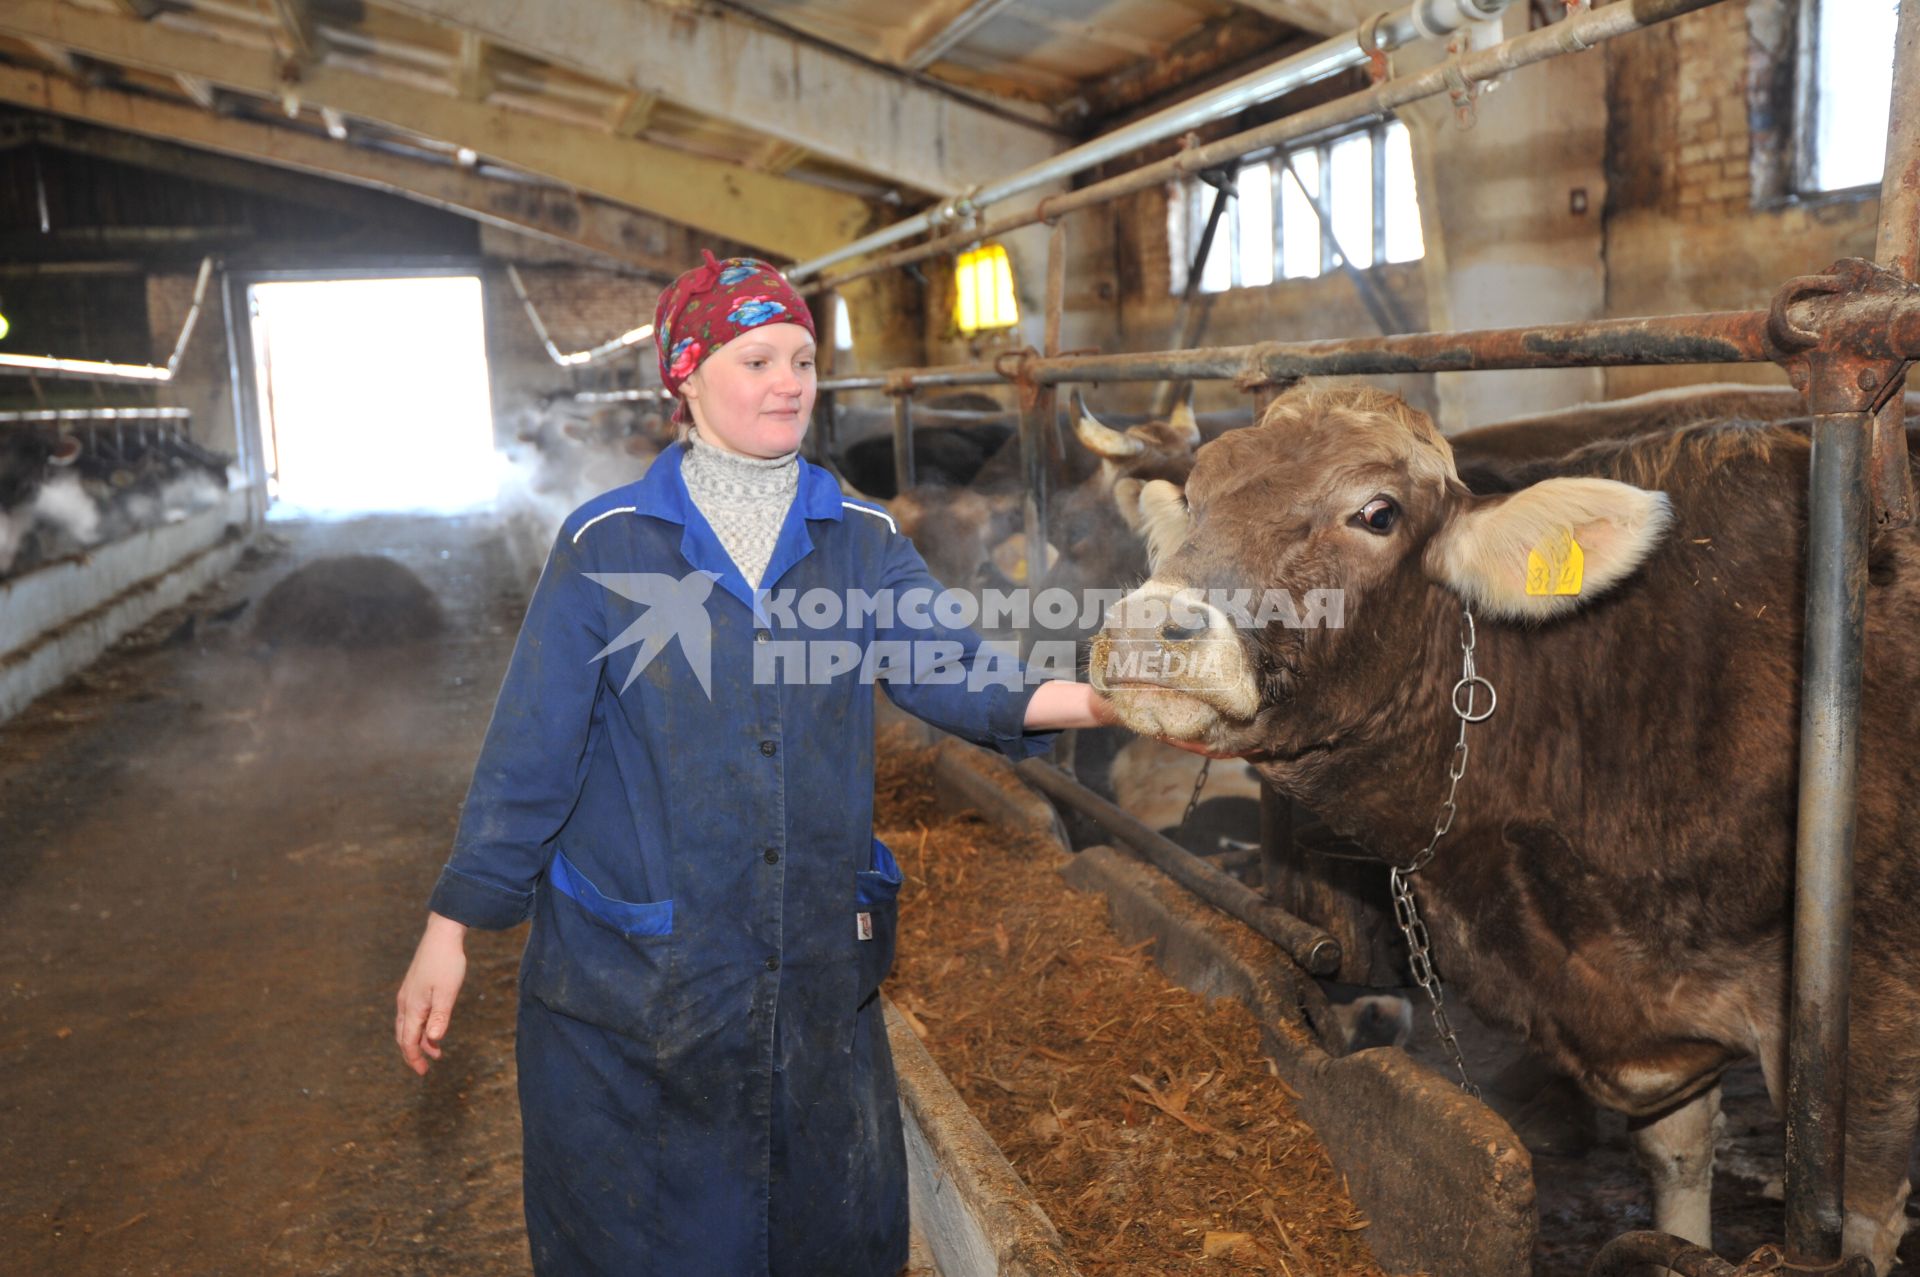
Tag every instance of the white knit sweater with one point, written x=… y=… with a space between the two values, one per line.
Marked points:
x=744 y=498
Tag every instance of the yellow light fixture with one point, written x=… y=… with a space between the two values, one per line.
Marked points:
x=5 y=327
x=983 y=290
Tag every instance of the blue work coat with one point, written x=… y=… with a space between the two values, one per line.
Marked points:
x=705 y=1084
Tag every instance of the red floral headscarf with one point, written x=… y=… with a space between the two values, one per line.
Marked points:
x=712 y=304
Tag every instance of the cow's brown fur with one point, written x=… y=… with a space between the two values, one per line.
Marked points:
x=1617 y=883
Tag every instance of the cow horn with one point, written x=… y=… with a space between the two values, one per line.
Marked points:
x=1184 y=421
x=1102 y=440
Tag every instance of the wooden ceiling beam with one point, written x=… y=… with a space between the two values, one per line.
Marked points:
x=837 y=106
x=777 y=215
x=557 y=215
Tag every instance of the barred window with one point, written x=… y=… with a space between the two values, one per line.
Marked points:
x=1845 y=87
x=1269 y=226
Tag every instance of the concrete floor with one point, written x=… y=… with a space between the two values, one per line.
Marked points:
x=213 y=868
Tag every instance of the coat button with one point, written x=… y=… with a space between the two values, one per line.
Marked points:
x=763 y=636
x=767 y=747
x=773 y=963
x=773 y=855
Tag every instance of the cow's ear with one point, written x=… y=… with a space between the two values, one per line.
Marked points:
x=1539 y=552
x=1010 y=558
x=1164 y=520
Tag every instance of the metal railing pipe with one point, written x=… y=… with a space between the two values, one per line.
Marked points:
x=1317 y=952
x=1880 y=327
x=1334 y=54
x=1578 y=32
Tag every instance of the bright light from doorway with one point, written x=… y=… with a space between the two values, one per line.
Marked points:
x=374 y=396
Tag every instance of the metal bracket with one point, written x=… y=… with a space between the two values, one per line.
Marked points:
x=1830 y=350
x=1014 y=365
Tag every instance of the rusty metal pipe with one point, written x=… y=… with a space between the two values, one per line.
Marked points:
x=1874 y=328
x=1578 y=32
x=1317 y=952
x=1422 y=18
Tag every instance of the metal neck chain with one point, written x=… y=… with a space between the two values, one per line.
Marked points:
x=1405 y=911
x=1193 y=799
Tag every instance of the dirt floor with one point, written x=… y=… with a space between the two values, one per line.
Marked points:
x=214 y=858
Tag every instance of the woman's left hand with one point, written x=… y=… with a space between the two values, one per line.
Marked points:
x=1058 y=704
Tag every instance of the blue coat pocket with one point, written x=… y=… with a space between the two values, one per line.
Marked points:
x=629 y=918
x=606 y=961
x=876 y=920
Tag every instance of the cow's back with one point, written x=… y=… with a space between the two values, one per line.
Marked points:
x=1670 y=708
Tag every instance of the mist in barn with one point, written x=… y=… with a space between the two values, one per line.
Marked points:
x=1029 y=637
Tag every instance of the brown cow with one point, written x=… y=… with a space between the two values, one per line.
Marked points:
x=1616 y=884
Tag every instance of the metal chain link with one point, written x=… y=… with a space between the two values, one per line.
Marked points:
x=1193 y=799
x=1405 y=911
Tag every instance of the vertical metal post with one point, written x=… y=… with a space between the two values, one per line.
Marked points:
x=1898 y=249
x=1857 y=457
x=903 y=474
x=1377 y=148
x=1040 y=444
x=826 y=312
x=1823 y=861
x=1277 y=852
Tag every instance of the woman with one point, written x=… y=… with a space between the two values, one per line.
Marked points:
x=705 y=1085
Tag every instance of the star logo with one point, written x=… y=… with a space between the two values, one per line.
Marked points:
x=674 y=607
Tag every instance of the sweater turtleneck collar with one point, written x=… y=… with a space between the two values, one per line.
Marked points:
x=712 y=470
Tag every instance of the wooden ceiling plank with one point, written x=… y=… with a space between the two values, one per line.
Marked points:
x=551 y=214
x=778 y=215
x=835 y=105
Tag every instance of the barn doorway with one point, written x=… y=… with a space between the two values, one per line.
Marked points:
x=373 y=396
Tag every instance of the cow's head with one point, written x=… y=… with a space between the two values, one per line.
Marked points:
x=1132 y=458
x=1095 y=536
x=1342 y=517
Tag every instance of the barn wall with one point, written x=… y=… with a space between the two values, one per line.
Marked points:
x=1641 y=178
x=582 y=305
x=1510 y=203
x=1699 y=218
x=203 y=383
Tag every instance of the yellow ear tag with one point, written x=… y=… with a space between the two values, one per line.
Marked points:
x=1558 y=567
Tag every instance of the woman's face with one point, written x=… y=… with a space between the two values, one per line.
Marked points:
x=754 y=395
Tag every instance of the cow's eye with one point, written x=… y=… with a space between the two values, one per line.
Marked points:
x=1377 y=515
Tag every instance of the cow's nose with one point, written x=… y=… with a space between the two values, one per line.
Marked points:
x=1174 y=632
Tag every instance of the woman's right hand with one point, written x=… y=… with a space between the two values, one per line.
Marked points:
x=425 y=1001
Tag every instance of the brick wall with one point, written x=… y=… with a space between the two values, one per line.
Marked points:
x=1699 y=138
x=1710 y=123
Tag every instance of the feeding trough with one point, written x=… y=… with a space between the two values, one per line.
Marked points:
x=1440 y=1182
